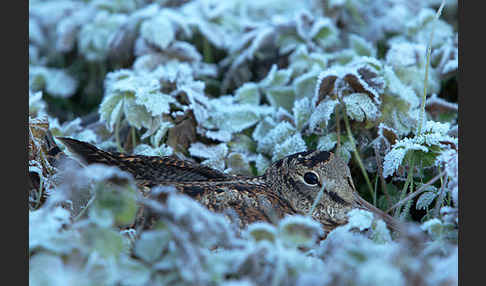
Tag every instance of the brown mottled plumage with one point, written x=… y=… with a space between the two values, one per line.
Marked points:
x=289 y=185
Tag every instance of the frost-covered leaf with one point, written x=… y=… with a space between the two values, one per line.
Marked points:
x=158 y=31
x=360 y=107
x=425 y=200
x=133 y=272
x=151 y=244
x=94 y=37
x=301 y=112
x=322 y=113
x=291 y=145
x=248 y=93
x=433 y=139
x=262 y=231
x=361 y=46
x=299 y=230
x=305 y=84
x=301 y=60
x=37 y=106
x=408 y=61
x=238 y=164
x=360 y=219
x=215 y=155
x=276 y=135
x=56 y=82
x=276 y=77
x=46 y=230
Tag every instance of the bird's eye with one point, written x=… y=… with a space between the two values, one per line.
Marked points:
x=311 y=178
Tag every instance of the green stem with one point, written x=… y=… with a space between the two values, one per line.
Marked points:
x=207 y=55
x=407 y=182
x=117 y=136
x=356 y=153
x=427 y=63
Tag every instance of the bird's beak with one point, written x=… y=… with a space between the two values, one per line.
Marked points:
x=392 y=223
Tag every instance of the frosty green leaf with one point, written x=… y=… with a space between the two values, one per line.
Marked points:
x=301 y=112
x=94 y=36
x=262 y=231
x=425 y=200
x=322 y=113
x=291 y=145
x=360 y=107
x=158 y=31
x=299 y=230
x=248 y=93
x=56 y=82
x=151 y=244
x=278 y=134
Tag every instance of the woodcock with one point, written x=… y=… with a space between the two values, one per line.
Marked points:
x=288 y=186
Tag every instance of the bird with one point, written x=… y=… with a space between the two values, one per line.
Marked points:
x=288 y=186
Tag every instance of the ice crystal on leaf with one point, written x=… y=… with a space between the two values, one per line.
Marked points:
x=433 y=139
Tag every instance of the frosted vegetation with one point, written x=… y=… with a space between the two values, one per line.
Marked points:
x=235 y=85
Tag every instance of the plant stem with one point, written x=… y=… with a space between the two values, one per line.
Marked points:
x=427 y=63
x=356 y=153
x=417 y=192
x=117 y=136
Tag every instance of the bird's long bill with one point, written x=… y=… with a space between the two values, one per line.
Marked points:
x=392 y=223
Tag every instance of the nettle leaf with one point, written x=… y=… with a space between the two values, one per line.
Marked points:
x=291 y=145
x=281 y=132
x=276 y=77
x=324 y=32
x=237 y=117
x=408 y=62
x=262 y=231
x=301 y=111
x=46 y=230
x=283 y=96
x=56 y=82
x=248 y=93
x=147 y=150
x=360 y=107
x=215 y=155
x=299 y=230
x=301 y=60
x=151 y=244
x=137 y=97
x=136 y=115
x=361 y=46
x=133 y=272
x=263 y=128
x=158 y=31
x=425 y=147
x=425 y=199
x=322 y=113
x=360 y=219
x=94 y=37
x=305 y=84
x=400 y=104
